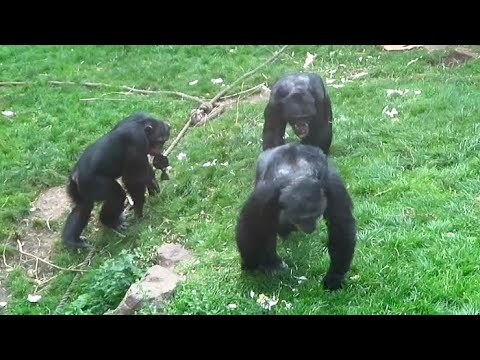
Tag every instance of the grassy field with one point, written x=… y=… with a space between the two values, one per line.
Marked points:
x=414 y=177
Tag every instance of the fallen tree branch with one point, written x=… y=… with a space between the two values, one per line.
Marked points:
x=198 y=115
x=20 y=249
x=97 y=85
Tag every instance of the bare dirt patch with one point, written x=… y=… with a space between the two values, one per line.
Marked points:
x=458 y=56
x=51 y=205
x=36 y=237
x=455 y=55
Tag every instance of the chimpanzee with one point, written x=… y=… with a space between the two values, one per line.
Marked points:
x=159 y=161
x=294 y=187
x=301 y=100
x=122 y=152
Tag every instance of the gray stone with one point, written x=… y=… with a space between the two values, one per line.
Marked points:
x=155 y=286
x=169 y=255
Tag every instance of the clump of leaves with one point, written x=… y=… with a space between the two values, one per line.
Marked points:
x=107 y=286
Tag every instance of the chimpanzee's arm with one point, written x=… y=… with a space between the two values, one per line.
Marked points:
x=273 y=129
x=341 y=231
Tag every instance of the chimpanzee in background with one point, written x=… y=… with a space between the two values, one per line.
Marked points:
x=294 y=187
x=122 y=152
x=301 y=100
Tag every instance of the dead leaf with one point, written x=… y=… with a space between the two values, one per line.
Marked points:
x=309 y=60
x=194 y=82
x=34 y=298
x=301 y=279
x=8 y=113
x=400 y=47
x=392 y=113
x=210 y=163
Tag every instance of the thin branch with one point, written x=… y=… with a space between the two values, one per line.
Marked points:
x=119 y=233
x=248 y=91
x=92 y=84
x=177 y=93
x=247 y=74
x=382 y=192
x=179 y=136
x=5 y=259
x=36 y=269
x=54 y=82
x=97 y=85
x=20 y=249
x=238 y=102
x=12 y=83
x=41 y=285
x=103 y=99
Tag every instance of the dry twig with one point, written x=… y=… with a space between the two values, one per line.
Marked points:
x=247 y=74
x=5 y=259
x=20 y=249
x=247 y=91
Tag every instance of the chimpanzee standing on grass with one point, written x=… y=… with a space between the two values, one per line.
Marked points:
x=301 y=100
x=122 y=152
x=295 y=187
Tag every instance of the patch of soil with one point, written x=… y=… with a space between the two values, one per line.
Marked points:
x=51 y=205
x=458 y=57
x=435 y=47
x=36 y=238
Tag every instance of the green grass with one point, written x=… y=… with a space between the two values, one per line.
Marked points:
x=414 y=179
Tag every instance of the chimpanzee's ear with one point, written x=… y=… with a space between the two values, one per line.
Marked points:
x=148 y=129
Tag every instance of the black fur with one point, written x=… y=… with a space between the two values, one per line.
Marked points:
x=120 y=153
x=294 y=187
x=159 y=161
x=301 y=100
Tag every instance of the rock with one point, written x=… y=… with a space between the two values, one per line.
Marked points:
x=169 y=255
x=155 y=286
